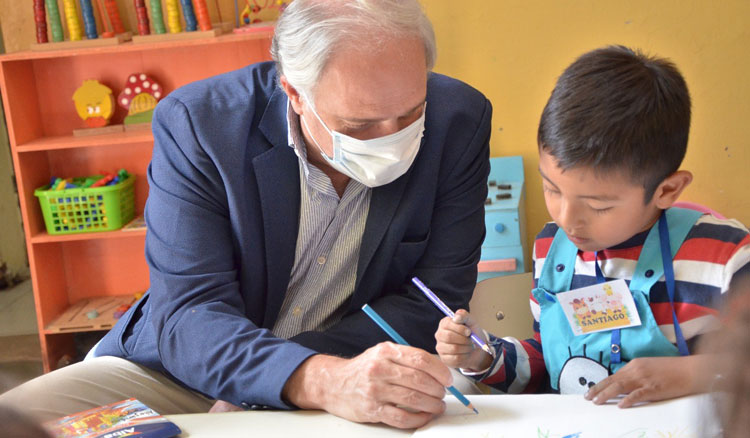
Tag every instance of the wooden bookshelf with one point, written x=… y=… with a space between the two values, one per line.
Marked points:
x=70 y=141
x=37 y=89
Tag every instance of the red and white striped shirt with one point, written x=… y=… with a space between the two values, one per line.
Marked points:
x=713 y=252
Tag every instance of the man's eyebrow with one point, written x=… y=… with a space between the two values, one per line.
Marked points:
x=411 y=111
x=594 y=197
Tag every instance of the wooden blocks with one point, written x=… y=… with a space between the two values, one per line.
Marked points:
x=99 y=42
x=113 y=31
x=155 y=38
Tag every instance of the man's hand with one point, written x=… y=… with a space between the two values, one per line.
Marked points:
x=649 y=379
x=397 y=385
x=455 y=346
x=223 y=406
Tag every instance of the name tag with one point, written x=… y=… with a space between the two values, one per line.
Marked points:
x=600 y=307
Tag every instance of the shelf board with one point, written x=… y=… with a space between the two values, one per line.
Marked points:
x=75 y=318
x=43 y=237
x=131 y=47
x=70 y=141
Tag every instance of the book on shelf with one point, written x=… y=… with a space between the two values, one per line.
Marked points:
x=136 y=224
x=124 y=418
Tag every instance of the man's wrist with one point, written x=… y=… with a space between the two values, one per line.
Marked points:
x=306 y=387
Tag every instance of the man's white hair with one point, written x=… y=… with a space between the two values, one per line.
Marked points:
x=309 y=31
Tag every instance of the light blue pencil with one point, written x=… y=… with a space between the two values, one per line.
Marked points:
x=396 y=337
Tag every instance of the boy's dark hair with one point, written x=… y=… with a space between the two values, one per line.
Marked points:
x=615 y=109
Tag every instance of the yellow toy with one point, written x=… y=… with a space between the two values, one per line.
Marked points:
x=173 y=16
x=94 y=103
x=71 y=16
x=267 y=11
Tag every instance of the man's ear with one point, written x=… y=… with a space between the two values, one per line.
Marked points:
x=294 y=96
x=670 y=189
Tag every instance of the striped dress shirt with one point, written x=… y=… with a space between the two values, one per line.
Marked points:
x=328 y=242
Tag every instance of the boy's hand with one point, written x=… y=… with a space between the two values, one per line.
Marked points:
x=455 y=346
x=648 y=379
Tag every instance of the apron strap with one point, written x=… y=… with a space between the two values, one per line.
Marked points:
x=650 y=266
x=666 y=251
x=614 y=347
x=656 y=259
x=559 y=265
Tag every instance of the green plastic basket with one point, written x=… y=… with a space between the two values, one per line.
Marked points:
x=85 y=210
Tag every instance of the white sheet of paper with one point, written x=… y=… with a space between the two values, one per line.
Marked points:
x=571 y=416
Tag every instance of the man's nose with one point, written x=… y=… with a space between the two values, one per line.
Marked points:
x=387 y=127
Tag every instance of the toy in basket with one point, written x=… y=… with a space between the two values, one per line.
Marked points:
x=83 y=205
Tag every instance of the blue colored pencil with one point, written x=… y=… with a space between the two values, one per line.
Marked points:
x=447 y=311
x=396 y=337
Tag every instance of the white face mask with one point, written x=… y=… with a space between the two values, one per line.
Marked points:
x=377 y=161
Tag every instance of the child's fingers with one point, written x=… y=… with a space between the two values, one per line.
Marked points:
x=453 y=349
x=448 y=325
x=461 y=316
x=637 y=396
x=610 y=388
x=465 y=318
x=450 y=337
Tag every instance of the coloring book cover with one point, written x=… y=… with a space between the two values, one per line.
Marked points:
x=121 y=419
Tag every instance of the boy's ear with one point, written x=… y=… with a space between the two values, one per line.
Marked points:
x=670 y=189
x=295 y=98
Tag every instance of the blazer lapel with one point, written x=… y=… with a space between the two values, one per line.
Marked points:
x=277 y=174
x=383 y=204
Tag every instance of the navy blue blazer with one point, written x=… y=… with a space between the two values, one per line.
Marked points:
x=222 y=216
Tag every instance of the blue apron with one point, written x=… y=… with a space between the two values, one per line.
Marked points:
x=575 y=363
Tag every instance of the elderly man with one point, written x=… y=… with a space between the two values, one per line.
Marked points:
x=283 y=197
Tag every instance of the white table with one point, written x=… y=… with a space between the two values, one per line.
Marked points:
x=298 y=424
x=499 y=416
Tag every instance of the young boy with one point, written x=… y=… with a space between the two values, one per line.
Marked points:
x=611 y=140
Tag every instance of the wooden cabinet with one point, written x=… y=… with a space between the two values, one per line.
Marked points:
x=70 y=272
